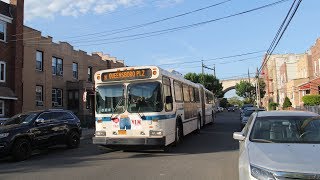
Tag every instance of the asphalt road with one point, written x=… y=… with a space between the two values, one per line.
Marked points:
x=212 y=154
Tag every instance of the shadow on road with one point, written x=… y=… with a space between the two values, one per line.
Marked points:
x=212 y=138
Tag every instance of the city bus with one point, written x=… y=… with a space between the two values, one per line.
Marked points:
x=148 y=106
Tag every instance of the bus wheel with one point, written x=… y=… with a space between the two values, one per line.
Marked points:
x=198 y=125
x=178 y=133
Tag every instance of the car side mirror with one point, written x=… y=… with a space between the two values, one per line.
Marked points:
x=39 y=121
x=169 y=100
x=238 y=136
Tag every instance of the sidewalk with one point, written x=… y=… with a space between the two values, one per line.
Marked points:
x=87 y=133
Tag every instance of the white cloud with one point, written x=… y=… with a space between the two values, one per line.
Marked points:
x=49 y=8
x=168 y=3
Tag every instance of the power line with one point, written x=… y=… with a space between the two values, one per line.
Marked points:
x=164 y=31
x=125 y=29
x=273 y=44
x=213 y=59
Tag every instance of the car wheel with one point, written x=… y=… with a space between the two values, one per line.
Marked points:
x=21 y=150
x=73 y=140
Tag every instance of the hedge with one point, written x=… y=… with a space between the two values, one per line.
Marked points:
x=311 y=100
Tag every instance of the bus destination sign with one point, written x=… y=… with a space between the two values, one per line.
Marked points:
x=127 y=75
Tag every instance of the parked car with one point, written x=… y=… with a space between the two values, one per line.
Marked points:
x=220 y=109
x=246 y=114
x=25 y=132
x=231 y=108
x=280 y=145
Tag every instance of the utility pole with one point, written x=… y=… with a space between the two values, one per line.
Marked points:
x=202 y=66
x=214 y=70
x=258 y=89
x=248 y=75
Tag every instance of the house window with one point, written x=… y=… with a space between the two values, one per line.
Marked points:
x=3 y=31
x=39 y=60
x=90 y=74
x=57 y=65
x=75 y=70
x=308 y=91
x=39 y=95
x=56 y=97
x=2 y=71
x=315 y=68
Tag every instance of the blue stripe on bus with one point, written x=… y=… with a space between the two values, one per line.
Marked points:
x=147 y=118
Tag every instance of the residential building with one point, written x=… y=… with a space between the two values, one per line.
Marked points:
x=57 y=76
x=279 y=69
x=11 y=57
x=312 y=86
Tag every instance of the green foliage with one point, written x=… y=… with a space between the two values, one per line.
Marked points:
x=244 y=89
x=235 y=101
x=273 y=106
x=262 y=87
x=208 y=81
x=311 y=100
x=224 y=102
x=287 y=103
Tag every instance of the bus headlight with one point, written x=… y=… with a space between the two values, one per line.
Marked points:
x=100 y=133
x=156 y=133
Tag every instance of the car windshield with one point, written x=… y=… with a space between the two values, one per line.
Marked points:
x=291 y=129
x=21 y=118
x=110 y=99
x=248 y=112
x=145 y=97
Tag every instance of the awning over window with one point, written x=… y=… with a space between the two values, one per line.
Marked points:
x=304 y=87
x=7 y=93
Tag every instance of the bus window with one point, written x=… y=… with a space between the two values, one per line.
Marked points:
x=177 y=91
x=207 y=98
x=110 y=99
x=186 y=94
x=191 y=94
x=145 y=97
x=196 y=95
x=167 y=93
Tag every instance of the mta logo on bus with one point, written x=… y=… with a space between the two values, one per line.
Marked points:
x=127 y=122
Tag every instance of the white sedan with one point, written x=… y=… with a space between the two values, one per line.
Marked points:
x=280 y=145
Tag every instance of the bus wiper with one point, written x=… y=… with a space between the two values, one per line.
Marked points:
x=116 y=108
x=262 y=140
x=143 y=116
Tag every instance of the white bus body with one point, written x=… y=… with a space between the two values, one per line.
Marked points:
x=148 y=106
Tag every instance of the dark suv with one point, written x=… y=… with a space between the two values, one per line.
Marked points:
x=24 y=132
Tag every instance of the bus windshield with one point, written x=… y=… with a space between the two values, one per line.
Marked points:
x=110 y=99
x=144 y=97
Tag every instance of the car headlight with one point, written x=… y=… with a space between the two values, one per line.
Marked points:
x=100 y=133
x=3 y=135
x=261 y=174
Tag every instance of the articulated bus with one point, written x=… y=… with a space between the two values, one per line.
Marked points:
x=148 y=106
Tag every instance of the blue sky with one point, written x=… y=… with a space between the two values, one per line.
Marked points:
x=251 y=32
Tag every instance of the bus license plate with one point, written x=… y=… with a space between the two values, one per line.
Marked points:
x=122 y=132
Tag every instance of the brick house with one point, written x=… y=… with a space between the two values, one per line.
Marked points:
x=58 y=75
x=11 y=57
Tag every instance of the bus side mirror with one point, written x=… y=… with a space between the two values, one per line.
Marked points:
x=169 y=100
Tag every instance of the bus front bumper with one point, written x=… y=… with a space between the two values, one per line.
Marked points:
x=107 y=141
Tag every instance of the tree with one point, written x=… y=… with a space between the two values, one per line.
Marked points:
x=287 y=103
x=224 y=103
x=235 y=101
x=209 y=81
x=245 y=89
x=262 y=87
x=273 y=106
